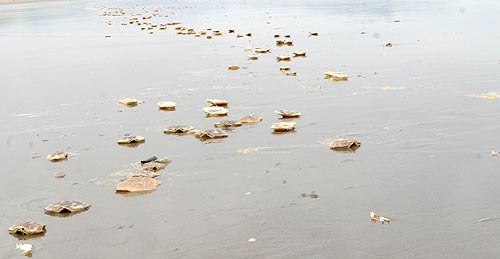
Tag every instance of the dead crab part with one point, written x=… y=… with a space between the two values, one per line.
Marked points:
x=283 y=58
x=250 y=119
x=374 y=217
x=131 y=139
x=291 y=73
x=128 y=102
x=253 y=57
x=262 y=50
x=337 y=76
x=344 y=144
x=153 y=166
x=215 y=111
x=178 y=129
x=285 y=68
x=67 y=207
x=388 y=44
x=234 y=67
x=299 y=54
x=137 y=184
x=57 y=156
x=283 y=126
x=27 y=228
x=142 y=174
x=166 y=105
x=227 y=124
x=211 y=134
x=312 y=33
x=218 y=102
x=287 y=114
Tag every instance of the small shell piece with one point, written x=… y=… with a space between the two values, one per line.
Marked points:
x=178 y=129
x=128 y=102
x=262 y=50
x=283 y=58
x=166 y=105
x=59 y=175
x=211 y=134
x=285 y=68
x=344 y=144
x=67 y=207
x=284 y=126
x=382 y=219
x=218 y=102
x=253 y=57
x=280 y=42
x=25 y=248
x=388 y=44
x=153 y=166
x=131 y=139
x=27 y=228
x=227 y=124
x=337 y=76
x=57 y=156
x=137 y=184
x=287 y=114
x=250 y=119
x=233 y=67
x=311 y=33
x=291 y=73
x=299 y=54
x=215 y=111
x=276 y=35
x=247 y=48
x=142 y=174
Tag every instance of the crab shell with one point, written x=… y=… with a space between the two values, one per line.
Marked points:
x=178 y=129
x=142 y=174
x=283 y=126
x=227 y=124
x=253 y=57
x=166 y=105
x=131 y=140
x=337 y=76
x=342 y=144
x=212 y=133
x=218 y=102
x=233 y=67
x=67 y=207
x=291 y=73
x=215 y=111
x=128 y=102
x=285 y=68
x=57 y=156
x=283 y=58
x=27 y=228
x=313 y=33
x=287 y=114
x=250 y=119
x=137 y=184
x=262 y=50
x=299 y=54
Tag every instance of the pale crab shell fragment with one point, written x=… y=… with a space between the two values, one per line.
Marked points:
x=233 y=67
x=57 y=156
x=285 y=68
x=379 y=218
x=25 y=248
x=337 y=76
x=137 y=184
x=178 y=129
x=227 y=124
x=283 y=126
x=287 y=114
x=128 y=102
x=212 y=133
x=342 y=144
x=283 y=58
x=262 y=50
x=131 y=139
x=253 y=57
x=215 y=111
x=166 y=105
x=250 y=119
x=218 y=102
x=67 y=207
x=299 y=54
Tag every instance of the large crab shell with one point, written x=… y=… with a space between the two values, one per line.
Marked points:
x=178 y=129
x=57 y=156
x=27 y=228
x=131 y=139
x=212 y=133
x=284 y=126
x=137 y=184
x=287 y=114
x=227 y=124
x=344 y=144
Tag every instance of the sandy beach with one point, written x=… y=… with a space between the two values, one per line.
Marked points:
x=419 y=90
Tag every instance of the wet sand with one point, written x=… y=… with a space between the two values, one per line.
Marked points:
x=426 y=138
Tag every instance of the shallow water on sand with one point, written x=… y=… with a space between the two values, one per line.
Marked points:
x=424 y=161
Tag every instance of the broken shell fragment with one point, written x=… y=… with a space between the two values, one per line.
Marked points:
x=253 y=57
x=25 y=248
x=137 y=184
x=247 y=48
x=252 y=240
x=128 y=102
x=262 y=50
x=59 y=175
x=313 y=33
x=249 y=34
x=287 y=114
x=27 y=228
x=280 y=42
x=142 y=174
x=283 y=58
x=344 y=144
x=374 y=217
x=227 y=124
x=211 y=134
x=154 y=166
x=283 y=126
x=299 y=54
x=250 y=119
x=276 y=35
x=67 y=207
x=218 y=102
x=178 y=129
x=337 y=76
x=233 y=67
x=285 y=68
x=231 y=30
x=388 y=44
x=215 y=111
x=131 y=139
x=166 y=105
x=57 y=156
x=291 y=73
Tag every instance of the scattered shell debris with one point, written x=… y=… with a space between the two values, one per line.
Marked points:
x=343 y=144
x=234 y=67
x=250 y=119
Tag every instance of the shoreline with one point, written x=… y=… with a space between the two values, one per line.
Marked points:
x=7 y=2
